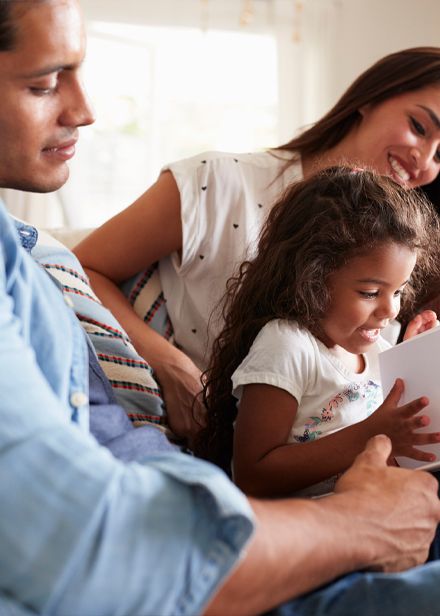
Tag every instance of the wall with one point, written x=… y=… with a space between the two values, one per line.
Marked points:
x=365 y=30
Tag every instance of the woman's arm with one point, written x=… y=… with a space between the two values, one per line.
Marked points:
x=128 y=243
x=265 y=465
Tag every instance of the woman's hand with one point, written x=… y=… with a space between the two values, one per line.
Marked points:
x=400 y=423
x=421 y=323
x=181 y=383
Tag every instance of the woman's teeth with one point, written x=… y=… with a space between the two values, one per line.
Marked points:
x=398 y=169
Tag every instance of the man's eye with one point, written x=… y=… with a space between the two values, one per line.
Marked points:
x=41 y=91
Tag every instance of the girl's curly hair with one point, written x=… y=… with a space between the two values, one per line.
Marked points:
x=315 y=228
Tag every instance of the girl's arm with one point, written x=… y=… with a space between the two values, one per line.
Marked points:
x=266 y=465
x=128 y=243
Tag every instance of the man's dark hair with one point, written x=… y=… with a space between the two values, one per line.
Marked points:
x=8 y=28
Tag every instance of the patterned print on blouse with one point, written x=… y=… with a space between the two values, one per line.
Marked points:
x=369 y=393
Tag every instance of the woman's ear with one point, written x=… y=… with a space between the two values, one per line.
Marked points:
x=363 y=111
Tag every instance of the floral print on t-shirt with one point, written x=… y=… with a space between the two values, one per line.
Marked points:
x=368 y=393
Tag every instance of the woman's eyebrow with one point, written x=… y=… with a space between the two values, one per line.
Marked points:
x=432 y=115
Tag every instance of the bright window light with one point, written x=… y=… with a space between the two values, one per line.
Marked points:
x=161 y=94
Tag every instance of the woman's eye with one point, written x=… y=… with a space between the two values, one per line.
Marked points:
x=437 y=156
x=417 y=126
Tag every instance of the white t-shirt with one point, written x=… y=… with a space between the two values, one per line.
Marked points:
x=329 y=396
x=225 y=199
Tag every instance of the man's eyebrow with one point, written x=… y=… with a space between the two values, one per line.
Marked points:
x=48 y=70
x=432 y=115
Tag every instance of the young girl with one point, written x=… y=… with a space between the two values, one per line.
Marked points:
x=297 y=358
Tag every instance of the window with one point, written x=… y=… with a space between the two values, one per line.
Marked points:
x=161 y=94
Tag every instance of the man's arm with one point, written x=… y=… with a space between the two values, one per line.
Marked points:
x=368 y=523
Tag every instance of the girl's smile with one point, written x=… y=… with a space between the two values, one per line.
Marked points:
x=366 y=297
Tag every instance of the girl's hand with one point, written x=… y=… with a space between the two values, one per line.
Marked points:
x=421 y=323
x=399 y=423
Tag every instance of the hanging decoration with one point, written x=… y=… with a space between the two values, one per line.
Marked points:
x=247 y=13
x=204 y=15
x=298 y=8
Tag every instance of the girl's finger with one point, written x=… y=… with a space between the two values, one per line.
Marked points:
x=418 y=454
x=413 y=407
x=426 y=439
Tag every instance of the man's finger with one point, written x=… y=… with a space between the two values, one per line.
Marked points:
x=377 y=450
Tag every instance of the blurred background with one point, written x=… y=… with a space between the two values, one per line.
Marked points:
x=173 y=78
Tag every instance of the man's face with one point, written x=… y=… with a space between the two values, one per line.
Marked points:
x=42 y=99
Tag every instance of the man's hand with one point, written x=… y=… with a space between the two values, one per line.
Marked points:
x=398 y=509
x=421 y=323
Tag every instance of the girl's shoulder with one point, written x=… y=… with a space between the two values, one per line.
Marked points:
x=283 y=354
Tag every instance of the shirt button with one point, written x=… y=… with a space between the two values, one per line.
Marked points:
x=78 y=398
x=68 y=301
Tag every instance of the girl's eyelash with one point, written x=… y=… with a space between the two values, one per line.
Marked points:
x=374 y=294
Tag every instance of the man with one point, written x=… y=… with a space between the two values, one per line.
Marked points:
x=83 y=533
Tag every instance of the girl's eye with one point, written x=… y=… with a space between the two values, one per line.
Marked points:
x=420 y=130
x=398 y=293
x=437 y=156
x=369 y=294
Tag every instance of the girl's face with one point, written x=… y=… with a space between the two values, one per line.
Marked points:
x=399 y=137
x=365 y=296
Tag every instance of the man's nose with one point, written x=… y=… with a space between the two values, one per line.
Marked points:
x=78 y=110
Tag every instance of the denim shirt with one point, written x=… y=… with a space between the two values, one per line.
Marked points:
x=81 y=532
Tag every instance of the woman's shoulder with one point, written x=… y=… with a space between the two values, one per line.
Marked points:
x=265 y=159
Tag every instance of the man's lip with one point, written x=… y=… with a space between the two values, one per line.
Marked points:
x=60 y=146
x=61 y=152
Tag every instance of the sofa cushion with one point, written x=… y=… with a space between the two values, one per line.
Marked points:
x=130 y=375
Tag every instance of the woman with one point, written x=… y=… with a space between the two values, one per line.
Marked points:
x=203 y=215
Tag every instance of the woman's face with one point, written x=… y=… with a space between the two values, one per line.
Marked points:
x=399 y=137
